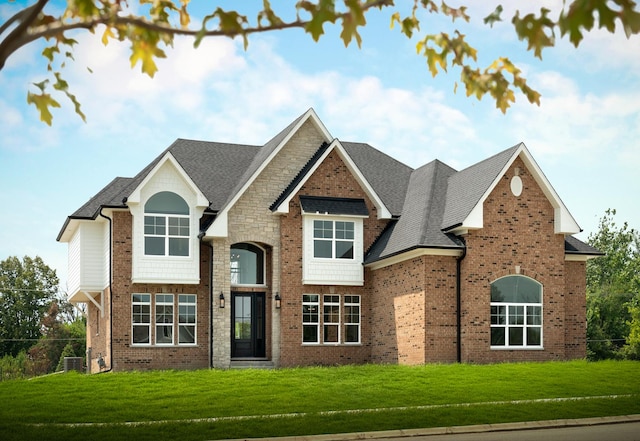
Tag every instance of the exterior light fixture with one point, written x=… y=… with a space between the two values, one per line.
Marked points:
x=278 y=300
x=221 y=299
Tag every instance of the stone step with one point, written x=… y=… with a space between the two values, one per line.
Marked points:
x=251 y=364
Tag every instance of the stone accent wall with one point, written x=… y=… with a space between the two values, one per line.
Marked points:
x=331 y=179
x=250 y=220
x=414 y=311
x=518 y=231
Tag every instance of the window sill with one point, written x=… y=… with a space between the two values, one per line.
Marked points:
x=517 y=348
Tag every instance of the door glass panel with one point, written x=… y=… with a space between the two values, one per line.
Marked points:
x=242 y=326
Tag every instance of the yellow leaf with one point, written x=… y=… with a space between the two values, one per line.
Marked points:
x=42 y=102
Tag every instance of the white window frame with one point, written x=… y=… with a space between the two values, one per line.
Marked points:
x=309 y=301
x=170 y=232
x=163 y=301
x=141 y=324
x=348 y=315
x=518 y=315
x=187 y=301
x=331 y=319
x=334 y=240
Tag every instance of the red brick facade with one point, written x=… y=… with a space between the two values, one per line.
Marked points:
x=408 y=309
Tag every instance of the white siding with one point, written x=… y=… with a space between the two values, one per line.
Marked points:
x=332 y=271
x=166 y=269
x=88 y=261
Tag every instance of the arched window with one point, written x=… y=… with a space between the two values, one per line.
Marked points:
x=247 y=264
x=516 y=312
x=166 y=225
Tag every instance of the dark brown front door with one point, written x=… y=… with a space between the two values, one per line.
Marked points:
x=248 y=325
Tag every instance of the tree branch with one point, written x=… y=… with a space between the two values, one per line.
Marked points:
x=13 y=42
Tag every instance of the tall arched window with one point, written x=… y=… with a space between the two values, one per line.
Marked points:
x=247 y=264
x=516 y=312
x=166 y=225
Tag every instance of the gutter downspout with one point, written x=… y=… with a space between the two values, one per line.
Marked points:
x=110 y=292
x=200 y=236
x=459 y=301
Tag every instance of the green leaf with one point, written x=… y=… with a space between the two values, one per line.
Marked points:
x=322 y=12
x=351 y=21
x=494 y=16
x=42 y=102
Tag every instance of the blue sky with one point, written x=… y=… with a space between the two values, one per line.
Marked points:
x=585 y=135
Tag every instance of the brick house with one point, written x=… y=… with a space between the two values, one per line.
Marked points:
x=309 y=250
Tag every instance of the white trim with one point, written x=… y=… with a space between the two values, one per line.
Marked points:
x=383 y=211
x=167 y=281
x=564 y=221
x=412 y=254
x=135 y=196
x=220 y=226
x=579 y=257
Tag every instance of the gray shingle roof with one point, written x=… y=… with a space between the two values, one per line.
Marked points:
x=421 y=220
x=318 y=204
x=574 y=245
x=467 y=187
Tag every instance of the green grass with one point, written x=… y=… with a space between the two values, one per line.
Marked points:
x=314 y=400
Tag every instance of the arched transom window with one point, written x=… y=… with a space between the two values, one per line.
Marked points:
x=166 y=225
x=247 y=264
x=516 y=313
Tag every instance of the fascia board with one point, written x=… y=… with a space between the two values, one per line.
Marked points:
x=414 y=253
x=219 y=227
x=383 y=211
x=564 y=221
x=580 y=257
x=201 y=200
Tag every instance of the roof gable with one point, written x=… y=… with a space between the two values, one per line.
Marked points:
x=469 y=188
x=219 y=227
x=282 y=204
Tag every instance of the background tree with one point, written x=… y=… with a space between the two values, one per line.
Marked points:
x=27 y=289
x=613 y=287
x=162 y=20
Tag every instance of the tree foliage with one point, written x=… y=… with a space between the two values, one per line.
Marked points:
x=160 y=21
x=613 y=290
x=27 y=288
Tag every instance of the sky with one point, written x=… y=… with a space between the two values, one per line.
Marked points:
x=585 y=135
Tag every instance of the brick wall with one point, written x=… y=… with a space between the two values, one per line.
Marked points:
x=128 y=357
x=331 y=179
x=576 y=310
x=414 y=311
x=518 y=231
x=98 y=330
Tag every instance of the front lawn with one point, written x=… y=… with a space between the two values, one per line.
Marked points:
x=216 y=404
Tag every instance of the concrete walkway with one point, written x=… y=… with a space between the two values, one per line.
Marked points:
x=462 y=430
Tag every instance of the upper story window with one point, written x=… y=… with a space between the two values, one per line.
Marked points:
x=516 y=313
x=333 y=239
x=247 y=264
x=166 y=225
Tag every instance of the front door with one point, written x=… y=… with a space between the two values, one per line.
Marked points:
x=247 y=334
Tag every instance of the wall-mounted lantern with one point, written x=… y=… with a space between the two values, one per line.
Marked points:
x=221 y=299
x=278 y=300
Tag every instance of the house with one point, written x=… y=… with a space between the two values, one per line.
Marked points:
x=313 y=251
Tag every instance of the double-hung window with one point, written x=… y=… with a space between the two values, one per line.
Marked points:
x=164 y=319
x=166 y=225
x=310 y=318
x=141 y=319
x=516 y=313
x=339 y=320
x=331 y=319
x=333 y=239
x=160 y=316
x=186 y=319
x=352 y=319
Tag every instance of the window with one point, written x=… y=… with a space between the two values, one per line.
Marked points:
x=516 y=313
x=336 y=328
x=186 y=319
x=141 y=318
x=164 y=319
x=166 y=225
x=331 y=319
x=247 y=264
x=333 y=239
x=310 y=318
x=352 y=319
